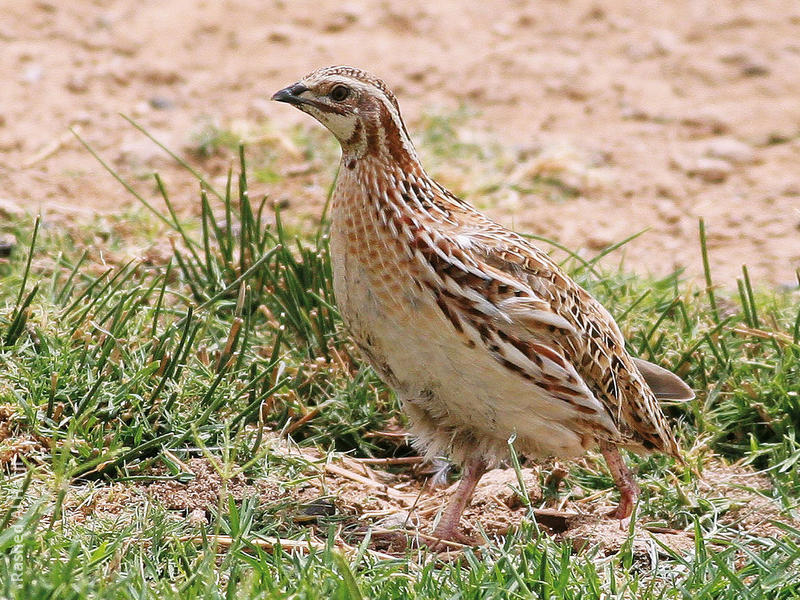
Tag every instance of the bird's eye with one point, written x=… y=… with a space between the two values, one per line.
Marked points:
x=340 y=93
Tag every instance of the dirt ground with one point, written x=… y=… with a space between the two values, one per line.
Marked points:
x=401 y=509
x=654 y=113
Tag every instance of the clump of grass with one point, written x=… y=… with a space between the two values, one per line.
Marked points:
x=107 y=382
x=287 y=277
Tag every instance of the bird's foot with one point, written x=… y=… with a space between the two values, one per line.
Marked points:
x=448 y=531
x=624 y=509
x=447 y=537
x=623 y=478
x=440 y=540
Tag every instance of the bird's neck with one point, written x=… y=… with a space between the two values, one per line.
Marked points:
x=382 y=163
x=372 y=187
x=380 y=137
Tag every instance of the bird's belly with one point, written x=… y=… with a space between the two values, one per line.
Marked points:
x=447 y=385
x=473 y=395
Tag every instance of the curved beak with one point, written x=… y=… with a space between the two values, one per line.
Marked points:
x=291 y=94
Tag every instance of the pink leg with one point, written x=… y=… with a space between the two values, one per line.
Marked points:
x=449 y=523
x=624 y=480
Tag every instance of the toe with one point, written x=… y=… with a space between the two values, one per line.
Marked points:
x=445 y=538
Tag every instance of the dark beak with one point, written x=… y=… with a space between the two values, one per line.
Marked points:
x=291 y=94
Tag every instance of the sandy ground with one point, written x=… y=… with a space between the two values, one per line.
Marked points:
x=654 y=113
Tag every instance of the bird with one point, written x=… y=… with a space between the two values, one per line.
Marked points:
x=481 y=335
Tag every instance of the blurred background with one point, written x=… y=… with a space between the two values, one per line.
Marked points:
x=582 y=121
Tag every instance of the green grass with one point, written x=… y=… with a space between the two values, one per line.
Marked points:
x=118 y=374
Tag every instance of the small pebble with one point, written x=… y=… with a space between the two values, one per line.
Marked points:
x=141 y=108
x=665 y=41
x=667 y=211
x=136 y=153
x=280 y=35
x=82 y=117
x=634 y=113
x=710 y=170
x=10 y=207
x=319 y=508
x=341 y=20
x=791 y=188
x=198 y=517
x=705 y=124
x=77 y=84
x=161 y=103
x=730 y=149
x=502 y=30
x=6 y=247
x=788 y=286
x=753 y=69
x=32 y=73
x=598 y=242
x=397 y=520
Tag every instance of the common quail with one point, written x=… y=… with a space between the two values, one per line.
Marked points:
x=480 y=334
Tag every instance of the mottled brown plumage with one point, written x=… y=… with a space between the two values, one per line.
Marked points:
x=480 y=333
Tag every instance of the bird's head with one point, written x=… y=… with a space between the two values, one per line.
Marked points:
x=356 y=107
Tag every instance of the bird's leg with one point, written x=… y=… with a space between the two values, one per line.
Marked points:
x=624 y=480
x=449 y=523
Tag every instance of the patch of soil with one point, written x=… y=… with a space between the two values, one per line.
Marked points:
x=202 y=492
x=396 y=508
x=648 y=114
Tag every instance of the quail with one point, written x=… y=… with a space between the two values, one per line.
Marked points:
x=480 y=333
